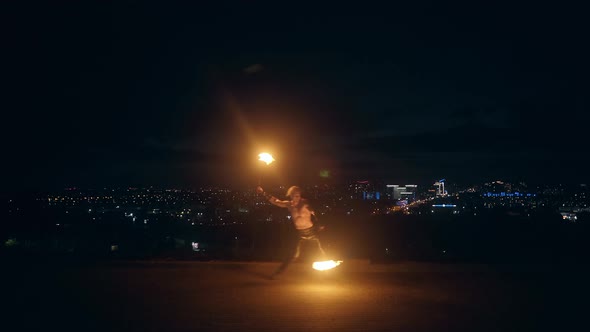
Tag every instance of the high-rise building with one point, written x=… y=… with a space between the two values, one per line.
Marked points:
x=410 y=192
x=440 y=190
x=396 y=191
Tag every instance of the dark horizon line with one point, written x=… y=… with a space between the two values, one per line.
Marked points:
x=195 y=186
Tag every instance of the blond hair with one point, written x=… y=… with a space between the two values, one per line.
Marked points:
x=293 y=190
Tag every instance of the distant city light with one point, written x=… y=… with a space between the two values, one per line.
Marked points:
x=195 y=246
x=11 y=243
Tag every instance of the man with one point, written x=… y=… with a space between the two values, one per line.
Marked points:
x=301 y=216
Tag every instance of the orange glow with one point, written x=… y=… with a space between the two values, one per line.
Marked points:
x=266 y=157
x=325 y=265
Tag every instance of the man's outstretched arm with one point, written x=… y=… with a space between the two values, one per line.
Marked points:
x=273 y=200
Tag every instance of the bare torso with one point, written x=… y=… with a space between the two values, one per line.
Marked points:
x=301 y=216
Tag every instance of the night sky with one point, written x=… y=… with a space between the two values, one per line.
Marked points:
x=152 y=94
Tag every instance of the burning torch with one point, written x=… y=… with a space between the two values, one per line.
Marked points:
x=266 y=158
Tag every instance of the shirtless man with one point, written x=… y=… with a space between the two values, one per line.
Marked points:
x=301 y=215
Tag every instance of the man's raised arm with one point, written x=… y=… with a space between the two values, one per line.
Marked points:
x=273 y=200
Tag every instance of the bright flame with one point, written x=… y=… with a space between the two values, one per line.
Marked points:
x=266 y=157
x=325 y=265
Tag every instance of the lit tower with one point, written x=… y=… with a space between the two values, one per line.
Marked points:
x=440 y=191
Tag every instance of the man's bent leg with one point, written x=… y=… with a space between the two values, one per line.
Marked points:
x=323 y=253
x=289 y=259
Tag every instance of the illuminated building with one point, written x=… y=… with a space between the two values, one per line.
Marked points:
x=397 y=191
x=440 y=190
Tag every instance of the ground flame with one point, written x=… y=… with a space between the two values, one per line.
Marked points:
x=266 y=157
x=325 y=265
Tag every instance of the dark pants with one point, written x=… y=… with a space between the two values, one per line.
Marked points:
x=308 y=234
